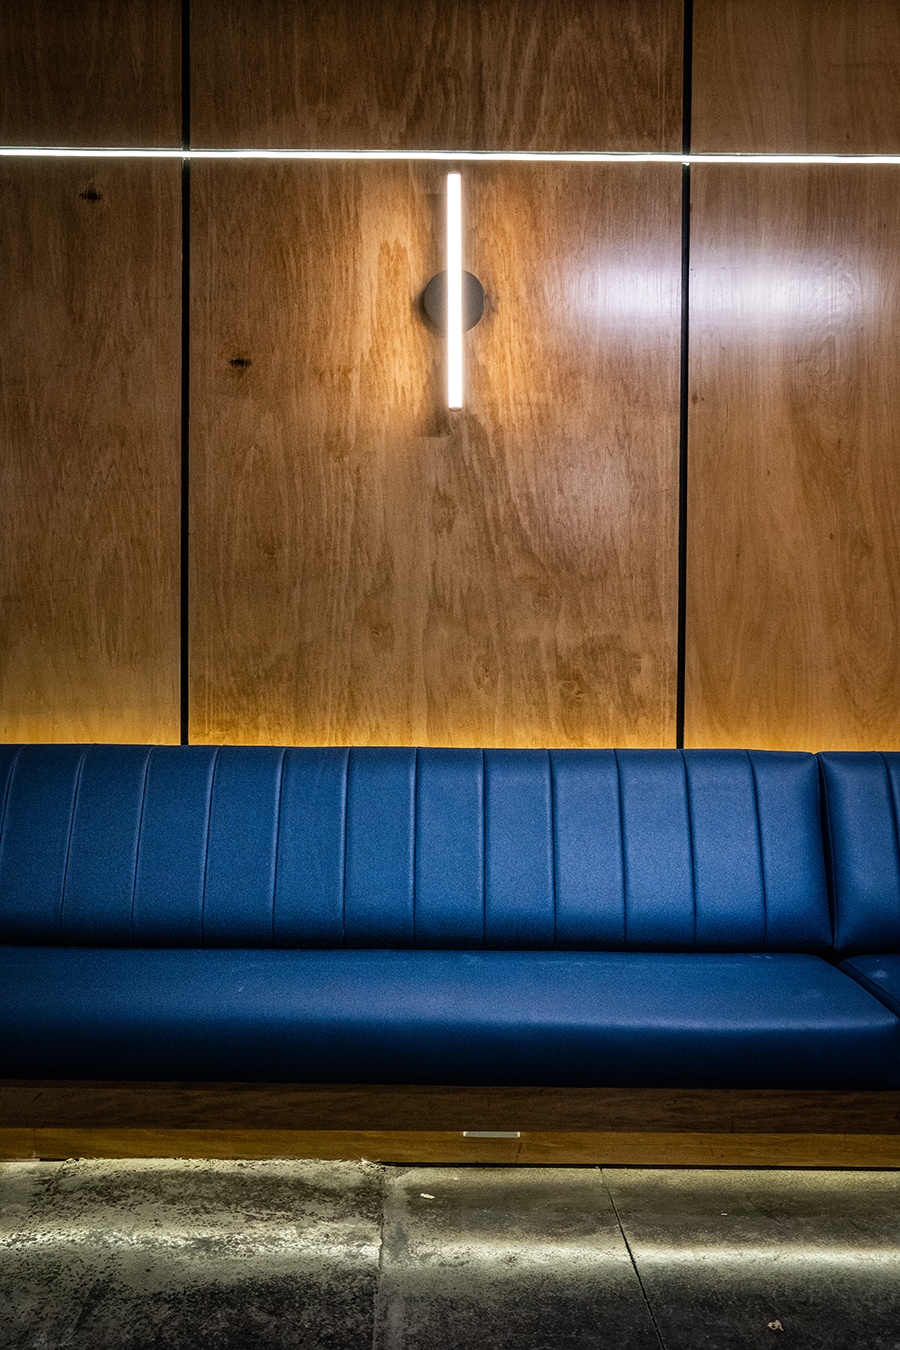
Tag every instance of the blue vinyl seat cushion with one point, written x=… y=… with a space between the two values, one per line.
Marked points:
x=502 y=1017
x=393 y=847
x=862 y=808
x=880 y=975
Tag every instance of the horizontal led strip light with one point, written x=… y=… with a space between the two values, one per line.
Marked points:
x=464 y=156
x=454 y=292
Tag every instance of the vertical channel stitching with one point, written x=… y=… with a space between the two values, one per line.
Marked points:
x=13 y=766
x=346 y=808
x=553 y=828
x=622 y=853
x=483 y=851
x=690 y=824
x=137 y=843
x=277 y=840
x=62 y=902
x=828 y=841
x=415 y=835
x=212 y=793
x=893 y=807
x=762 y=859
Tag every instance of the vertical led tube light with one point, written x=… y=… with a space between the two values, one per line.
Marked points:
x=454 y=292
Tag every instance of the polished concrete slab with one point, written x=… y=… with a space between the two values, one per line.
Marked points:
x=507 y=1258
x=188 y=1255
x=307 y=1255
x=739 y=1259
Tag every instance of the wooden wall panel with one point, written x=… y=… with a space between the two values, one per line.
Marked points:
x=369 y=568
x=89 y=474
x=793 y=609
x=99 y=72
x=433 y=74
x=799 y=76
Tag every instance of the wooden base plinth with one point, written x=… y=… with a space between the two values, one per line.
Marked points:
x=397 y=1124
x=683 y=1149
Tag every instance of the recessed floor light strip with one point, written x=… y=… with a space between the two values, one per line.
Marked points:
x=458 y=156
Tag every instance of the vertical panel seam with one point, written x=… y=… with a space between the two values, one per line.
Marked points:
x=553 y=827
x=78 y=773
x=346 y=796
x=687 y=76
x=762 y=856
x=687 y=94
x=884 y=765
x=212 y=793
x=277 y=839
x=622 y=852
x=184 y=625
x=690 y=825
x=137 y=846
x=185 y=467
x=186 y=74
x=683 y=430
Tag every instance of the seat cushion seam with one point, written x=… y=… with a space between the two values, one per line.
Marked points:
x=762 y=861
x=78 y=773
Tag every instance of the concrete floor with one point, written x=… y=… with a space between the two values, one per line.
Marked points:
x=271 y=1255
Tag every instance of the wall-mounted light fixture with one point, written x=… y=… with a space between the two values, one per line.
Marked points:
x=454 y=299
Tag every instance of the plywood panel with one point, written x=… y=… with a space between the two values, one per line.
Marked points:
x=793 y=609
x=369 y=568
x=796 y=76
x=89 y=475
x=99 y=72
x=433 y=74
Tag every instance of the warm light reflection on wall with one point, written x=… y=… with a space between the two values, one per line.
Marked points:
x=750 y=292
x=755 y=290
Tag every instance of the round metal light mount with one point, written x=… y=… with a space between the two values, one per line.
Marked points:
x=434 y=301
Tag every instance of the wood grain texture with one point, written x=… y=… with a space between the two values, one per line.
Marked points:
x=89 y=476
x=398 y=1146
x=438 y=74
x=327 y=1107
x=99 y=72
x=368 y=568
x=17 y=1144
x=793 y=606
x=799 y=76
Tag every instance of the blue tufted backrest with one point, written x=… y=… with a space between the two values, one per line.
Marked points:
x=261 y=846
x=862 y=804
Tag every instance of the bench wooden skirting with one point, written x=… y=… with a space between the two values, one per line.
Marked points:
x=634 y=1126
